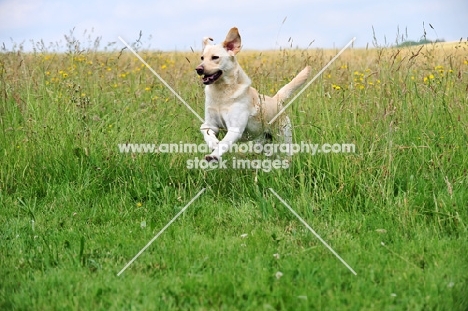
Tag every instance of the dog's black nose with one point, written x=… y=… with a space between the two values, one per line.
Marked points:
x=200 y=70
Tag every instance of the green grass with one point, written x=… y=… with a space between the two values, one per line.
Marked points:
x=74 y=210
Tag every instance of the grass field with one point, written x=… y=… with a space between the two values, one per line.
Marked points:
x=75 y=210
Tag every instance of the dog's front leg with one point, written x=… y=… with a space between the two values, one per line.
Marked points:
x=209 y=134
x=233 y=134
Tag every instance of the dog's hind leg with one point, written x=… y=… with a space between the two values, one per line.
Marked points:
x=285 y=132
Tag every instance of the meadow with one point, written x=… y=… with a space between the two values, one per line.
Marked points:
x=75 y=210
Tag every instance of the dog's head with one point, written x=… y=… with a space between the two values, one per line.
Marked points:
x=218 y=60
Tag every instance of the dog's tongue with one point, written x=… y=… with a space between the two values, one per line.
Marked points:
x=208 y=79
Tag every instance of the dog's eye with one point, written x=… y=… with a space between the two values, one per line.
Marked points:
x=202 y=58
x=214 y=57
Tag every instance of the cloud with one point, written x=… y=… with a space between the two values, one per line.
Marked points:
x=14 y=14
x=181 y=25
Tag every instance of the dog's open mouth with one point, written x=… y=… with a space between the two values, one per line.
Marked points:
x=208 y=79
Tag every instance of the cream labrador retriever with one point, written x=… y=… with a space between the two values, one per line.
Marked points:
x=232 y=104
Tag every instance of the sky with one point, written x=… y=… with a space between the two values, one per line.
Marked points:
x=263 y=24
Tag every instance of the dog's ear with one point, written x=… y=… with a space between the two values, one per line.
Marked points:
x=206 y=41
x=233 y=41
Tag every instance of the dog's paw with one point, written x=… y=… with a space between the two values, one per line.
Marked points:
x=211 y=158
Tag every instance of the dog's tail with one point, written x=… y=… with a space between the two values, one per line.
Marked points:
x=286 y=91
